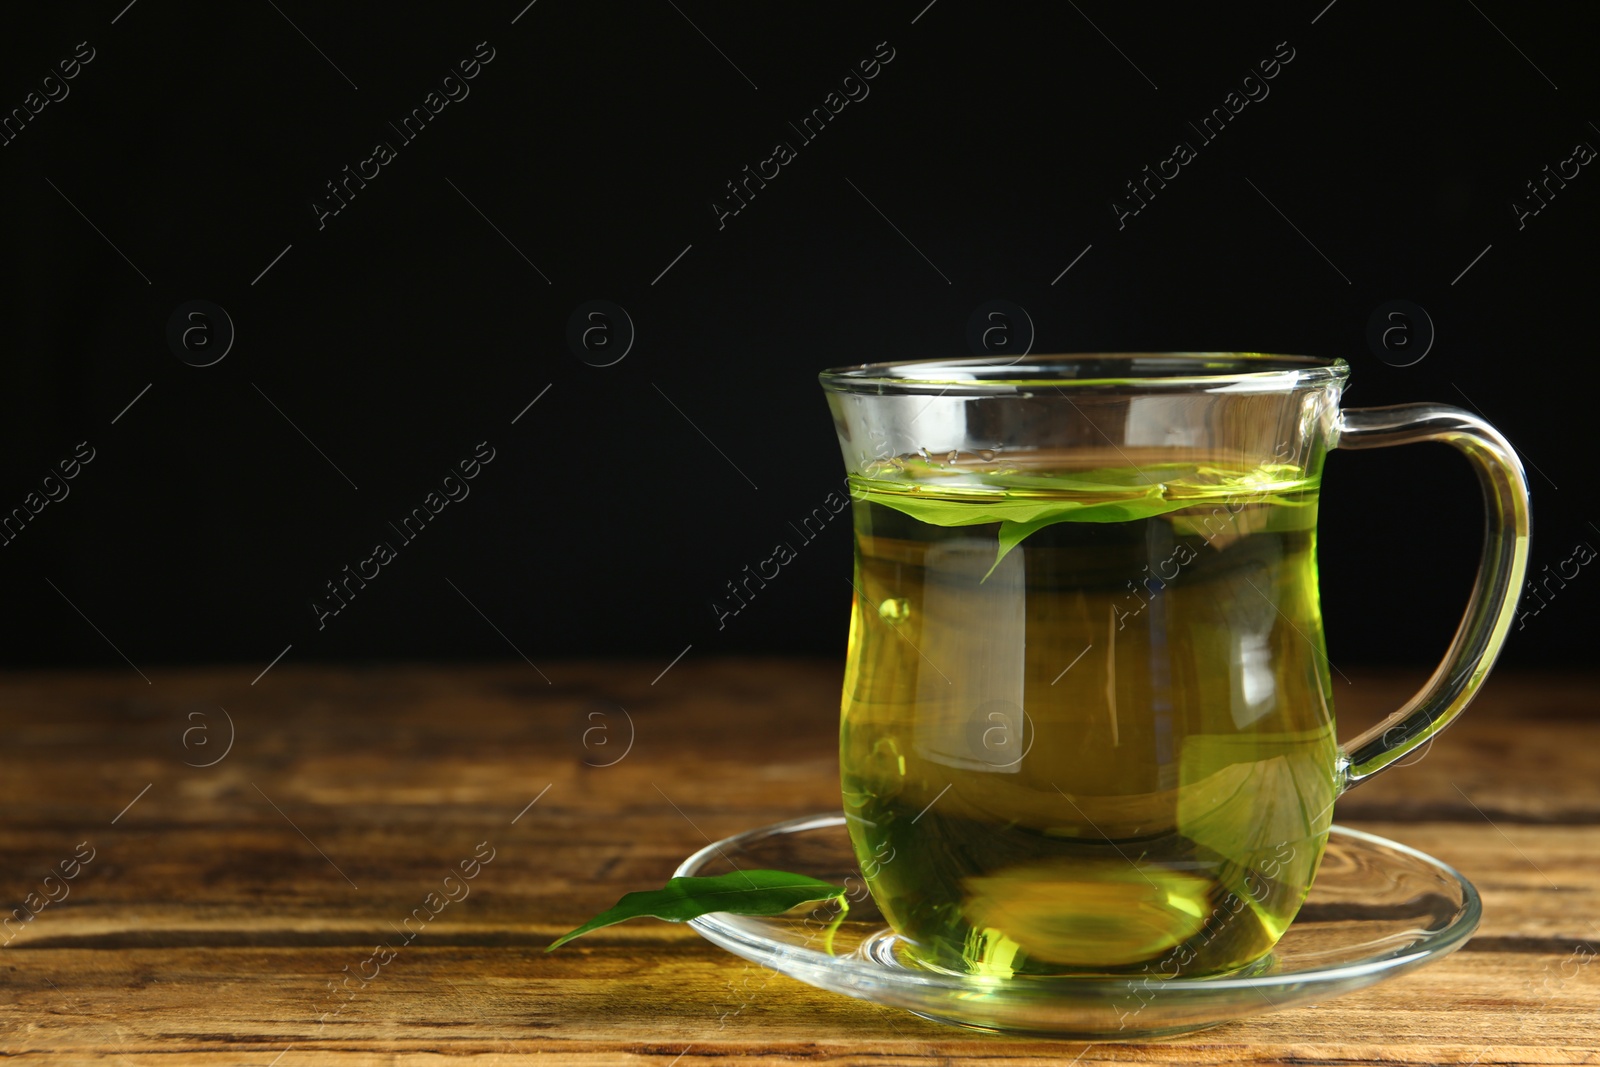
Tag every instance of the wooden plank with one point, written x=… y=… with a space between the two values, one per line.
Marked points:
x=656 y=997
x=219 y=907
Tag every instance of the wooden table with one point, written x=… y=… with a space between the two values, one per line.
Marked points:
x=219 y=907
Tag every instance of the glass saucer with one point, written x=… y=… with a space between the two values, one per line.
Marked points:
x=1377 y=909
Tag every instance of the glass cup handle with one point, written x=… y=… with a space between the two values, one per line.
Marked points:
x=1489 y=613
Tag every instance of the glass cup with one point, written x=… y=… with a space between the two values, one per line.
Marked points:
x=1088 y=720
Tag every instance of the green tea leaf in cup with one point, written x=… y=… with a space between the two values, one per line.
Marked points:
x=1020 y=517
x=1021 y=502
x=756 y=892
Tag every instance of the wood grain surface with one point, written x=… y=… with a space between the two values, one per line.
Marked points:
x=222 y=906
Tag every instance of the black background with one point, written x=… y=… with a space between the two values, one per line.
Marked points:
x=410 y=326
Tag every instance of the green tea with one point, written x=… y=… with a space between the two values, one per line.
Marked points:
x=1087 y=723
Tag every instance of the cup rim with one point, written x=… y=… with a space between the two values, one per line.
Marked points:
x=1205 y=371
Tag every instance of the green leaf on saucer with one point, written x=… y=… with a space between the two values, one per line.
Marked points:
x=741 y=892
